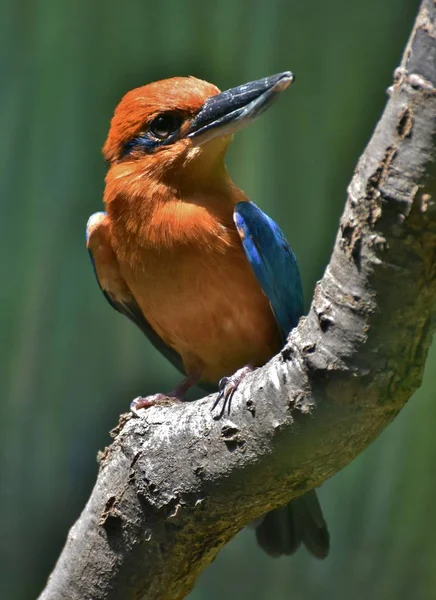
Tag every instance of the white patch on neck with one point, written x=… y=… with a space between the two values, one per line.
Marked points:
x=193 y=152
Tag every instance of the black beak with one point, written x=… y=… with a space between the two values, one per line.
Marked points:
x=229 y=111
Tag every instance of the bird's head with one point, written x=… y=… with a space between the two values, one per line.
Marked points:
x=165 y=128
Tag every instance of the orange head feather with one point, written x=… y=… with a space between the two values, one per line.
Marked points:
x=179 y=98
x=167 y=143
x=173 y=121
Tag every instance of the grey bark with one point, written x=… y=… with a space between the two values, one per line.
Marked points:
x=177 y=484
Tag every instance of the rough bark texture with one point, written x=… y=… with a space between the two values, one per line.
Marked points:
x=177 y=484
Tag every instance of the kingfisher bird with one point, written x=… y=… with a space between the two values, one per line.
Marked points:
x=202 y=271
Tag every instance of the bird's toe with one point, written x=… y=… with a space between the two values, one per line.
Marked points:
x=227 y=388
x=154 y=400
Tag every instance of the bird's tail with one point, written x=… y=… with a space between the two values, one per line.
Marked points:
x=283 y=530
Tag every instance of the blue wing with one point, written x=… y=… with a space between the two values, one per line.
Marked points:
x=273 y=263
x=114 y=287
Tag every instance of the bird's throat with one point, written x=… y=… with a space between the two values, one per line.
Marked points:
x=155 y=214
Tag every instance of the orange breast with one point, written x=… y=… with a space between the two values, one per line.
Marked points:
x=200 y=295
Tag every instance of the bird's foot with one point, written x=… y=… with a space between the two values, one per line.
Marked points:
x=154 y=400
x=174 y=397
x=227 y=388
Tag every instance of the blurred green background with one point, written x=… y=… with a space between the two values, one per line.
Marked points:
x=69 y=364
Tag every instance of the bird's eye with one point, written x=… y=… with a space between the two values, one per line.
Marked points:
x=164 y=125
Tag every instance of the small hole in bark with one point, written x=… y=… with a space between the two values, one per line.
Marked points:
x=151 y=486
x=287 y=354
x=405 y=124
x=347 y=233
x=111 y=517
x=353 y=242
x=109 y=504
x=355 y=253
x=199 y=471
x=325 y=322
x=251 y=407
x=232 y=438
x=113 y=525
x=228 y=432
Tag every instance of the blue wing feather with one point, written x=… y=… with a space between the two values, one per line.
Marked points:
x=273 y=263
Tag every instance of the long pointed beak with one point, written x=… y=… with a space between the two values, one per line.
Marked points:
x=231 y=110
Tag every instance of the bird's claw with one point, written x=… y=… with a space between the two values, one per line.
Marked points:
x=227 y=387
x=226 y=390
x=154 y=400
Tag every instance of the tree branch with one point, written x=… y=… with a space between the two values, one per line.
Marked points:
x=176 y=484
